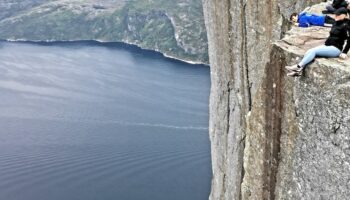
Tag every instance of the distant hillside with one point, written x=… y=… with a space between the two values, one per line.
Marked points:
x=175 y=28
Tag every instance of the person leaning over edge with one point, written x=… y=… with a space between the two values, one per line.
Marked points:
x=306 y=20
x=333 y=46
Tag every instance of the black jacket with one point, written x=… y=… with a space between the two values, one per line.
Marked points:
x=340 y=33
x=339 y=3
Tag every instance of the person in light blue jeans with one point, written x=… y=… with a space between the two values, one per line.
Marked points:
x=320 y=51
x=333 y=47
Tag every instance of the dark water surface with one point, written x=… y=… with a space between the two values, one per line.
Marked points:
x=83 y=121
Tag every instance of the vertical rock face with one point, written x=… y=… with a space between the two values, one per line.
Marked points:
x=314 y=160
x=274 y=137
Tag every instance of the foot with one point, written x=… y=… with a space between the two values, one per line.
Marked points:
x=294 y=68
x=294 y=73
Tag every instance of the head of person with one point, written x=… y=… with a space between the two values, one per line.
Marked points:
x=341 y=14
x=294 y=18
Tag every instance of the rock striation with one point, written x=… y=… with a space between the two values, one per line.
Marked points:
x=275 y=137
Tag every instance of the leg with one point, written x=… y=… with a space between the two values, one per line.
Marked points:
x=308 y=57
x=321 y=51
x=329 y=20
x=330 y=9
x=328 y=52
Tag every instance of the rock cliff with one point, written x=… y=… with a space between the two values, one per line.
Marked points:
x=274 y=137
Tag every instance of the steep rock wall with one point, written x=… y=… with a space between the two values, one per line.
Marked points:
x=255 y=130
x=297 y=140
x=318 y=161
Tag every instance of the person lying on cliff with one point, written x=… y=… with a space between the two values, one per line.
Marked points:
x=333 y=46
x=306 y=20
x=330 y=9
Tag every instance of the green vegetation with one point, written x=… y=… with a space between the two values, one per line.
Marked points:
x=175 y=28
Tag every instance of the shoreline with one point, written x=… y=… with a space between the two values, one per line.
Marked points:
x=164 y=54
x=100 y=42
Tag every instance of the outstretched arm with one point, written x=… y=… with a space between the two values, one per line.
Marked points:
x=347 y=46
x=344 y=54
x=303 y=24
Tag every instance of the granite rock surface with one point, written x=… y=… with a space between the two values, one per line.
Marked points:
x=272 y=136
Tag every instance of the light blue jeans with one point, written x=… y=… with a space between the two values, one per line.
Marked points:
x=320 y=51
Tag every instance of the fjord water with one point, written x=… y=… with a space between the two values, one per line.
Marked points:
x=90 y=121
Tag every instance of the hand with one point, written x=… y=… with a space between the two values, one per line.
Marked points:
x=343 y=56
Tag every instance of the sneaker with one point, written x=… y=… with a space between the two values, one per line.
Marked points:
x=294 y=73
x=295 y=68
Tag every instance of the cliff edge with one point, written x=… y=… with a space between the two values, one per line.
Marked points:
x=275 y=137
x=297 y=143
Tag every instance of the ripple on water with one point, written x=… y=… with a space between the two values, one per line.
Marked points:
x=96 y=122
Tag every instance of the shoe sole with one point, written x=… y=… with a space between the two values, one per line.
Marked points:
x=291 y=70
x=293 y=75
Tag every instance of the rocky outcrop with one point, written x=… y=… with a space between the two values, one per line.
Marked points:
x=297 y=140
x=274 y=137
